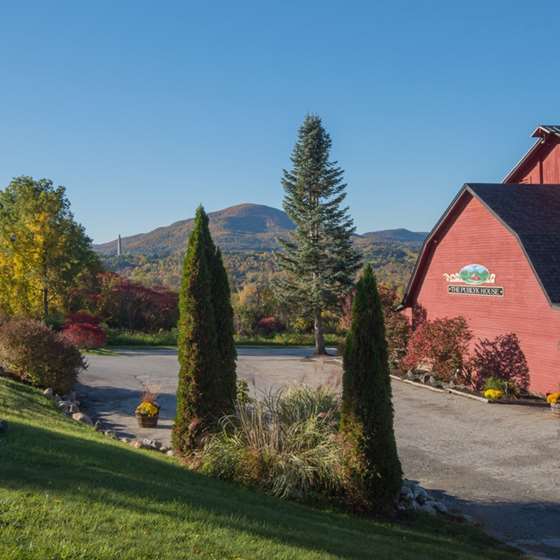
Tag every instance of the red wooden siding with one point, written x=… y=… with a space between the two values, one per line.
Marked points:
x=474 y=235
x=543 y=166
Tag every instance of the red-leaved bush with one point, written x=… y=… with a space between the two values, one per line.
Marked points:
x=501 y=357
x=124 y=304
x=85 y=335
x=269 y=325
x=81 y=317
x=34 y=353
x=442 y=345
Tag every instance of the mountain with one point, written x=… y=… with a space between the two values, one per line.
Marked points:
x=400 y=235
x=245 y=227
x=241 y=228
x=247 y=235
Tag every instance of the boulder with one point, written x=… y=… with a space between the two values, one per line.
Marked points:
x=151 y=444
x=68 y=407
x=427 y=508
x=83 y=418
x=440 y=507
x=420 y=495
x=406 y=494
x=411 y=375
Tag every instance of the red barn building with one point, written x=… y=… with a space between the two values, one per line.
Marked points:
x=494 y=258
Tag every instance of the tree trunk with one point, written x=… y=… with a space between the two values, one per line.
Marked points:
x=319 y=337
x=45 y=304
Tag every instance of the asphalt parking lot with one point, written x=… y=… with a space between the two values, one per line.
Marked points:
x=498 y=463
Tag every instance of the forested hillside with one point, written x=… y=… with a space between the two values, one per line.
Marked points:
x=248 y=235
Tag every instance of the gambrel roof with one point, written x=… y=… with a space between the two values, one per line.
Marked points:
x=530 y=212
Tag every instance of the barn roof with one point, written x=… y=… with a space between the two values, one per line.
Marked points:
x=530 y=212
x=546 y=129
x=542 y=132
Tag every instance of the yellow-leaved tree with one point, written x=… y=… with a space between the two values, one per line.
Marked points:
x=43 y=250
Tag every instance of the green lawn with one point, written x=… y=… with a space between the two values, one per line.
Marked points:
x=169 y=338
x=68 y=493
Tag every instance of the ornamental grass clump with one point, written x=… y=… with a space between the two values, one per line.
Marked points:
x=286 y=443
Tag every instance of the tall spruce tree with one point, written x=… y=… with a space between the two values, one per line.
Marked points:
x=319 y=260
x=367 y=410
x=205 y=340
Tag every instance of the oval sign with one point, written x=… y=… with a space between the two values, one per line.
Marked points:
x=474 y=274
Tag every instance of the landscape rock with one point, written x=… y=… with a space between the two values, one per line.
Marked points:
x=48 y=393
x=151 y=444
x=428 y=508
x=412 y=497
x=68 y=407
x=83 y=418
x=420 y=495
x=170 y=453
x=406 y=494
x=411 y=375
x=440 y=507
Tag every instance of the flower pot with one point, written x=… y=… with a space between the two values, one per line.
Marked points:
x=555 y=409
x=147 y=421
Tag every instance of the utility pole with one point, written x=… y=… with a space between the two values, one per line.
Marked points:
x=119 y=246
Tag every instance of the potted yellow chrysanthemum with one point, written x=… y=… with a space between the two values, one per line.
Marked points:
x=147 y=412
x=553 y=399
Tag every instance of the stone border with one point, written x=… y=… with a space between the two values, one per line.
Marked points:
x=518 y=402
x=69 y=405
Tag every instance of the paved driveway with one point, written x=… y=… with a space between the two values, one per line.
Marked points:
x=501 y=464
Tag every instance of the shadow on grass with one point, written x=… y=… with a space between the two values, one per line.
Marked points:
x=37 y=459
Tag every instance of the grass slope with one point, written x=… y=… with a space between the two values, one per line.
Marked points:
x=67 y=492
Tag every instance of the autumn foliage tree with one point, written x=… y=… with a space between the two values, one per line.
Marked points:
x=207 y=381
x=367 y=410
x=42 y=248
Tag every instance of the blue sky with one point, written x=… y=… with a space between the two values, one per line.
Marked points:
x=143 y=110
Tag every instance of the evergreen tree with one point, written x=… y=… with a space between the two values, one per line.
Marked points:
x=227 y=354
x=367 y=410
x=199 y=403
x=319 y=260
